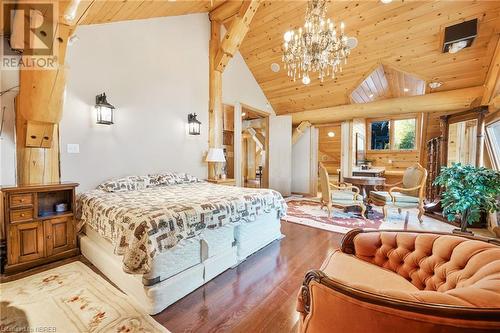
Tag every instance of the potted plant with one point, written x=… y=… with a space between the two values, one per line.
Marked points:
x=468 y=192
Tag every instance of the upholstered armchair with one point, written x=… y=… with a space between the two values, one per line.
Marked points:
x=398 y=281
x=342 y=195
x=410 y=194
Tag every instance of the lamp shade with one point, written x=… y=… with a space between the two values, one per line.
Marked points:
x=215 y=155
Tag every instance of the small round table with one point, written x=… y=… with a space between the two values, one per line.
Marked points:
x=366 y=184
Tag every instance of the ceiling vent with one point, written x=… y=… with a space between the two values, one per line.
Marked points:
x=459 y=36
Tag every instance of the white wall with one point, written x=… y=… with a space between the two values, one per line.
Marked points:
x=239 y=85
x=301 y=152
x=155 y=72
x=304 y=162
x=9 y=79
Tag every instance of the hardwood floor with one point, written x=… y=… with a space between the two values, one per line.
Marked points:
x=260 y=294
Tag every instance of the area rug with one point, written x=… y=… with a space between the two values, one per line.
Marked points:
x=70 y=299
x=308 y=212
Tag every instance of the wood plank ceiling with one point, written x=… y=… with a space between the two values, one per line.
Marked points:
x=404 y=35
x=386 y=82
x=111 y=11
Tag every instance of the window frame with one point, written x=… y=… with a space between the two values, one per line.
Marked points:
x=493 y=153
x=391 y=120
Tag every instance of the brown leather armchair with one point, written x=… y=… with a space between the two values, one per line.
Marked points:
x=394 y=281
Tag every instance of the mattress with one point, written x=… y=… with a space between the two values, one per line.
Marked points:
x=145 y=223
x=251 y=237
x=216 y=255
x=187 y=253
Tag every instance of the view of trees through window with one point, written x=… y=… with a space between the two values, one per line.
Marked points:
x=380 y=135
x=403 y=135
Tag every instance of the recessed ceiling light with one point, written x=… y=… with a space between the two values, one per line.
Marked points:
x=386 y=1
x=435 y=84
x=371 y=95
x=243 y=114
x=406 y=89
x=306 y=80
x=275 y=67
x=331 y=134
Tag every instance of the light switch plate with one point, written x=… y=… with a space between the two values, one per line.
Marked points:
x=73 y=148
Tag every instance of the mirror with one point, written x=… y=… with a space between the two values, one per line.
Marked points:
x=462 y=138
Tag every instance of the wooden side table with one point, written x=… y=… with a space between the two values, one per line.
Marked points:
x=37 y=232
x=366 y=184
x=227 y=181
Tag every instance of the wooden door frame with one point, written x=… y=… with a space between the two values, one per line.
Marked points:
x=238 y=142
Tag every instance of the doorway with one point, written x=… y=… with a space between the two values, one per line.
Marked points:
x=254 y=147
x=329 y=149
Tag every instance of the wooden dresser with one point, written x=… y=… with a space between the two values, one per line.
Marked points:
x=36 y=233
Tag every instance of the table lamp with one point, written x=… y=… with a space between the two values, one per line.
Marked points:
x=215 y=155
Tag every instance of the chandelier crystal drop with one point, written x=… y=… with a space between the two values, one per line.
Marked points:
x=317 y=47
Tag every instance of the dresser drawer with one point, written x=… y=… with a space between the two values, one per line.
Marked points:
x=20 y=215
x=21 y=200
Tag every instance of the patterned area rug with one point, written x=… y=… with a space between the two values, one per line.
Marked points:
x=308 y=212
x=70 y=299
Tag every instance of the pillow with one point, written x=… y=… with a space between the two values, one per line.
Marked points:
x=165 y=178
x=130 y=183
x=171 y=178
x=185 y=178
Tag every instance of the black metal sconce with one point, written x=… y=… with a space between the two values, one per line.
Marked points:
x=105 y=111
x=194 y=124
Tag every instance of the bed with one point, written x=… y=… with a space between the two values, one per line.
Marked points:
x=159 y=237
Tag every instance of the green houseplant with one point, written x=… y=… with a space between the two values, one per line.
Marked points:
x=468 y=192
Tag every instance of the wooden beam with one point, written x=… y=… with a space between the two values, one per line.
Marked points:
x=39 y=105
x=453 y=100
x=257 y=137
x=236 y=33
x=492 y=82
x=299 y=130
x=225 y=11
x=215 y=108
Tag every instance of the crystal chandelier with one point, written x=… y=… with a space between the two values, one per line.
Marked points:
x=317 y=47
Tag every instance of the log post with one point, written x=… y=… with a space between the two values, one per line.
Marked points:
x=215 y=115
x=480 y=136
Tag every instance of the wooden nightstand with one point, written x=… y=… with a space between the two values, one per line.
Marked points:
x=227 y=181
x=36 y=234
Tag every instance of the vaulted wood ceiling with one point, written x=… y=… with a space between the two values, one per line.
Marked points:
x=405 y=35
x=122 y=10
x=386 y=82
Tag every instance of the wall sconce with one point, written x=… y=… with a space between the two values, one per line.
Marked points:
x=194 y=124
x=105 y=111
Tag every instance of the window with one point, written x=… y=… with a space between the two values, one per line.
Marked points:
x=380 y=133
x=404 y=134
x=493 y=135
x=399 y=134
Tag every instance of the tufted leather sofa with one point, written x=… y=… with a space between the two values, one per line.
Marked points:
x=395 y=281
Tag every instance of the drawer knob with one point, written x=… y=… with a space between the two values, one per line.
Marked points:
x=22 y=200
x=22 y=214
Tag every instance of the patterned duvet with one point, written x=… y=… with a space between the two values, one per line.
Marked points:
x=143 y=223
